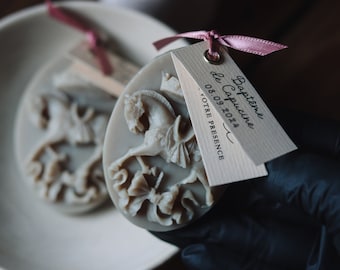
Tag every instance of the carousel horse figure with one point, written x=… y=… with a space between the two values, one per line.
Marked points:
x=162 y=134
x=65 y=123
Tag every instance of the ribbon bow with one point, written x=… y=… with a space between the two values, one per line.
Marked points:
x=92 y=37
x=242 y=43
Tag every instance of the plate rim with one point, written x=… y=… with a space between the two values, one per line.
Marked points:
x=27 y=13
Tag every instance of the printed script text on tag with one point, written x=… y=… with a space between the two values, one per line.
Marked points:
x=223 y=157
x=235 y=101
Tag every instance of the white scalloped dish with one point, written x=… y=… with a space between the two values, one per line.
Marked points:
x=32 y=235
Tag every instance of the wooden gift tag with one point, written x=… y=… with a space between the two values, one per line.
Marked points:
x=84 y=64
x=236 y=108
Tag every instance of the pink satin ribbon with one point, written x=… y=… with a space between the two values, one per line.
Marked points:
x=242 y=43
x=92 y=37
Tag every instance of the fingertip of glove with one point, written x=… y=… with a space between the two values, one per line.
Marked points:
x=193 y=250
x=194 y=257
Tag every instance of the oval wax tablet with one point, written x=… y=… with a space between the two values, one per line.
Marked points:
x=152 y=164
x=59 y=134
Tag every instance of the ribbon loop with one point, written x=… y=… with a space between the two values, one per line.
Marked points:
x=92 y=37
x=238 y=42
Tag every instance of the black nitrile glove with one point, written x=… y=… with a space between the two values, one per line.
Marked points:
x=287 y=220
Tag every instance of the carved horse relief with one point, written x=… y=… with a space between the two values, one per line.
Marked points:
x=66 y=124
x=163 y=135
x=150 y=114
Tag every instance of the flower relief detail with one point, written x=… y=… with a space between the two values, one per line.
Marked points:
x=171 y=137
x=68 y=126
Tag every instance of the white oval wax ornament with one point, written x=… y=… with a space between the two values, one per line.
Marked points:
x=152 y=164
x=59 y=136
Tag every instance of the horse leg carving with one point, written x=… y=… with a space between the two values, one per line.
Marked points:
x=141 y=150
x=197 y=174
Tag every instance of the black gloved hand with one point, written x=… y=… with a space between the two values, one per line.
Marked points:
x=287 y=220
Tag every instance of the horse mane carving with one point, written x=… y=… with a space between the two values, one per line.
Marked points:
x=170 y=136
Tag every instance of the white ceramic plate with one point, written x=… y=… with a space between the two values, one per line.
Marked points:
x=32 y=235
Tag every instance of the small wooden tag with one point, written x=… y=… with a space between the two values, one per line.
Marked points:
x=84 y=64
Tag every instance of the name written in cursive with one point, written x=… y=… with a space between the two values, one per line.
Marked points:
x=232 y=89
x=239 y=81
